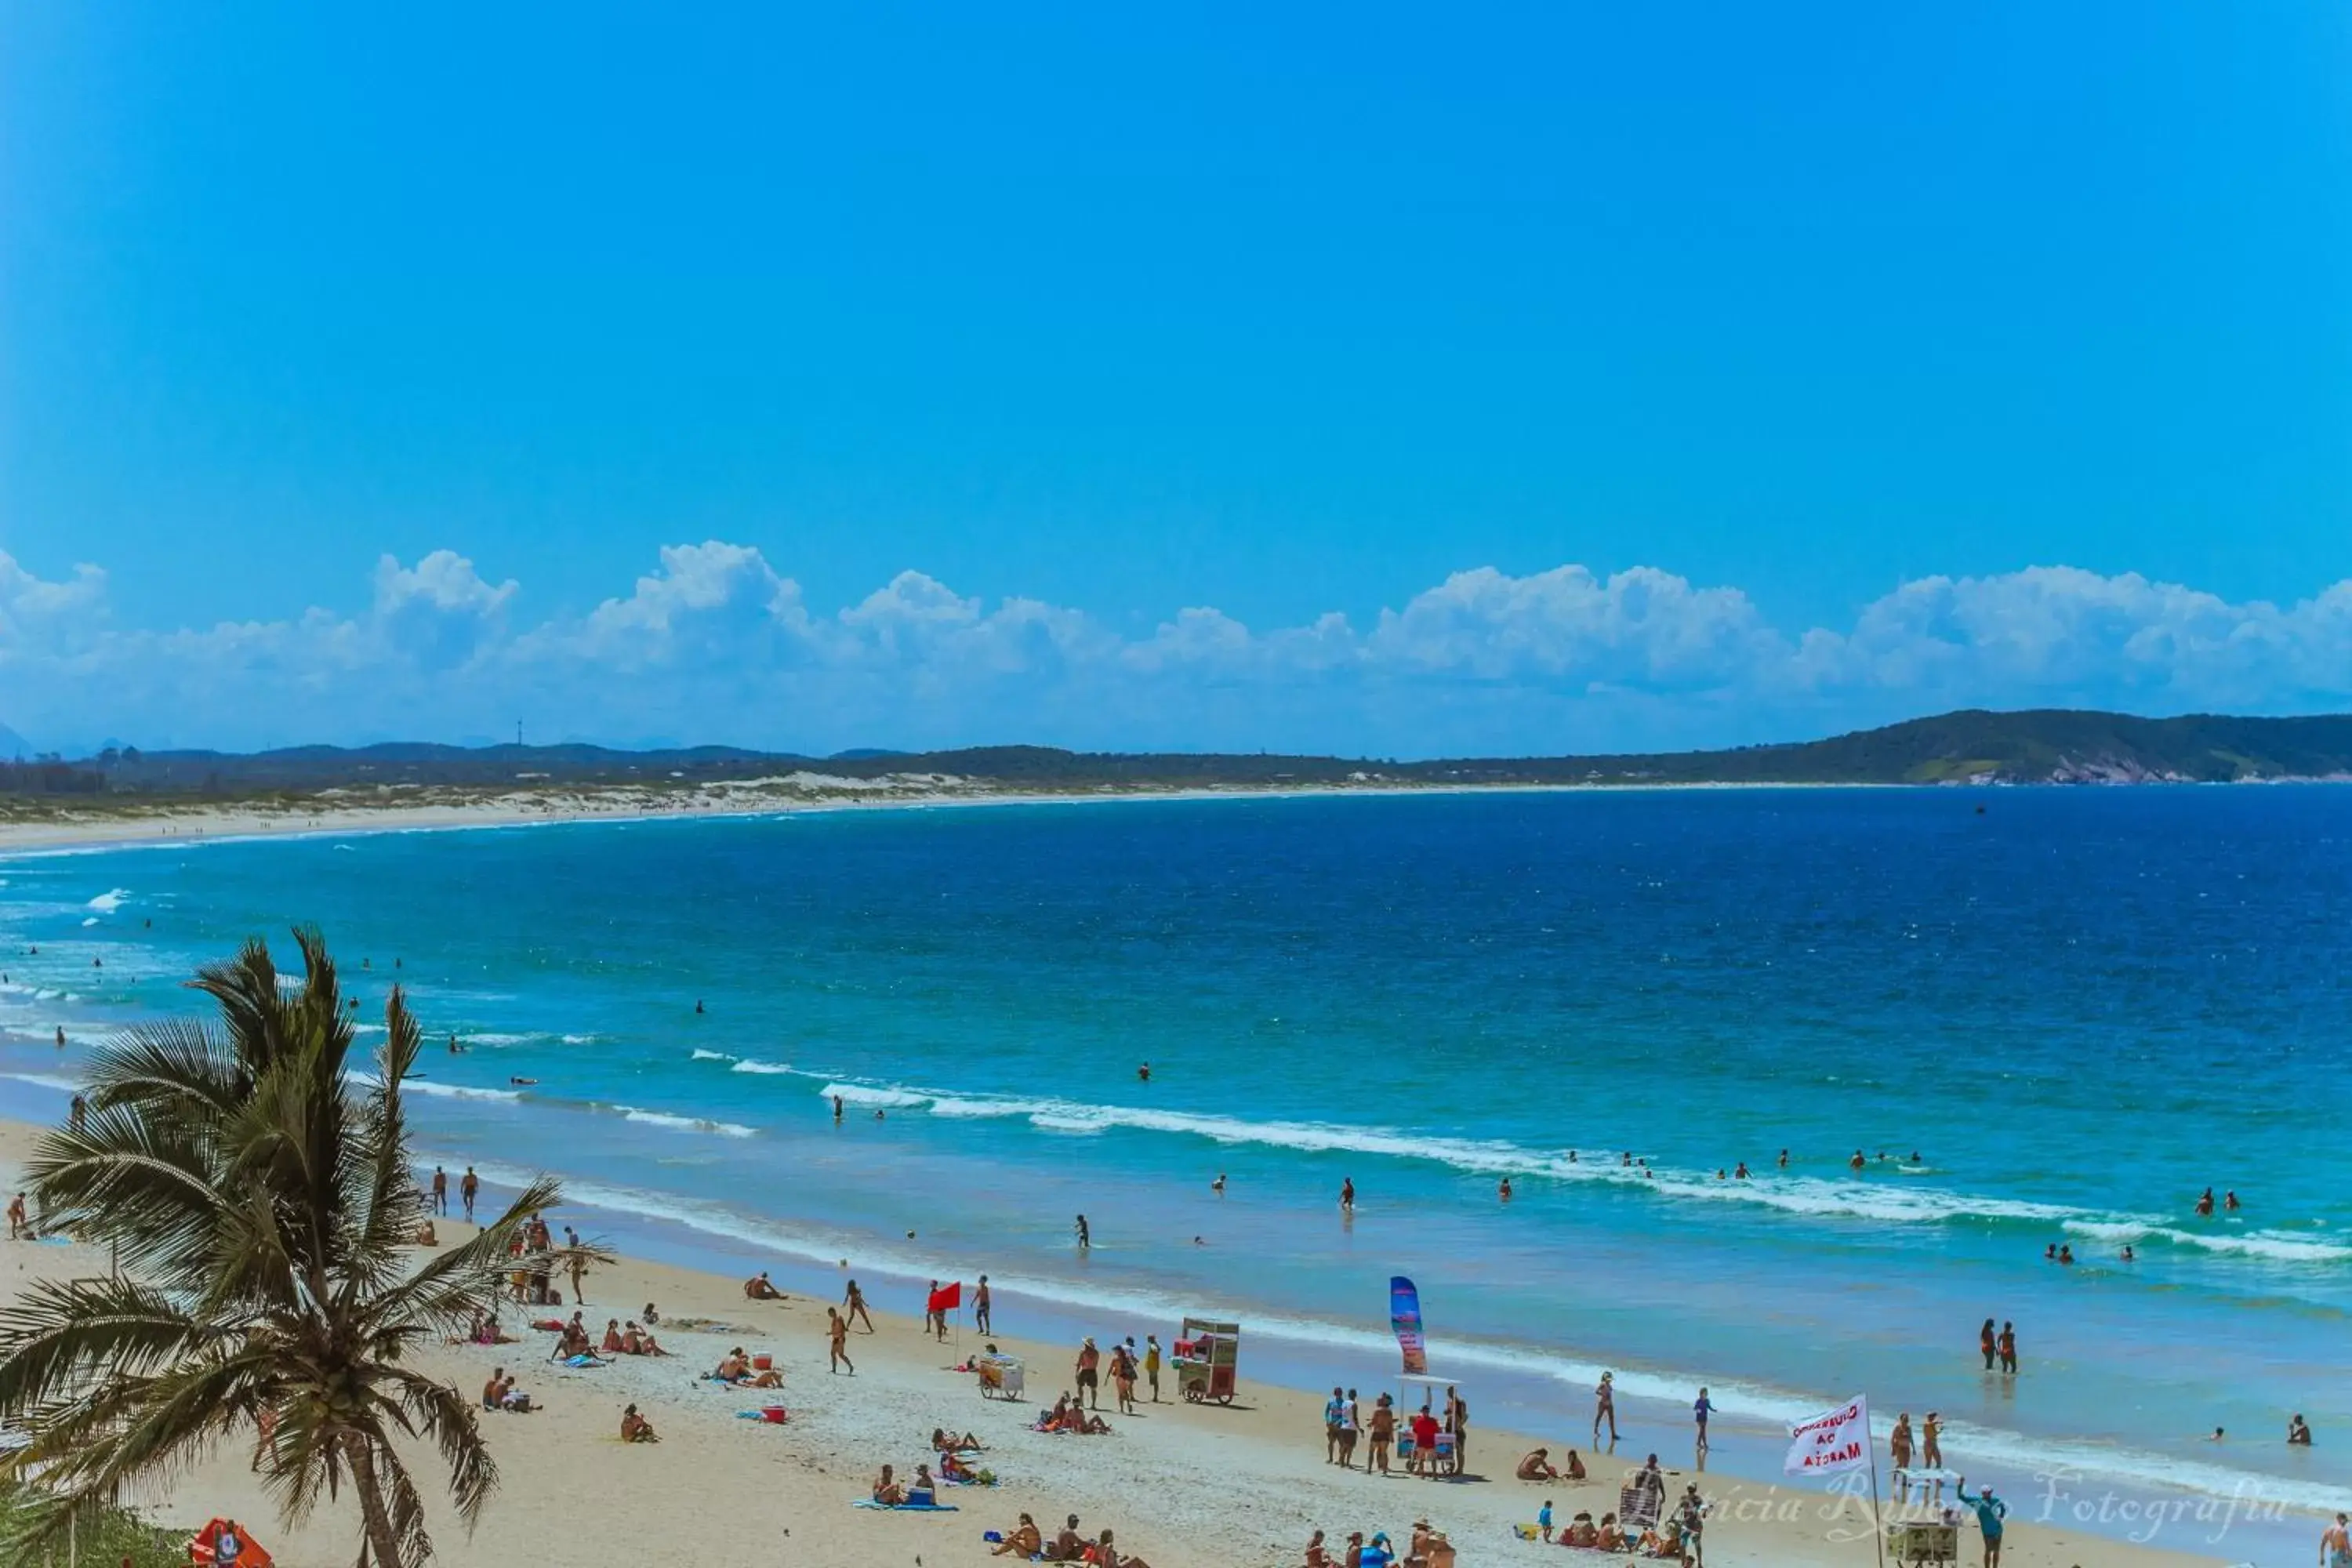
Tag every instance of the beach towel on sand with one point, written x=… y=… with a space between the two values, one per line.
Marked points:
x=905 y=1507
x=776 y=1414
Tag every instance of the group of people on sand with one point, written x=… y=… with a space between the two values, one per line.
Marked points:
x=736 y=1370
x=1930 y=1445
x=1070 y=1415
x=1026 y=1543
x=1435 y=1442
x=631 y=1340
x=500 y=1393
x=1425 y=1548
x=1125 y=1366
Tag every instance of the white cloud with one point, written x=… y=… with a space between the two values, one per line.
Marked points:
x=716 y=643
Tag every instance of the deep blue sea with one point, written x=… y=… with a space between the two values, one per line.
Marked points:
x=2076 y=1008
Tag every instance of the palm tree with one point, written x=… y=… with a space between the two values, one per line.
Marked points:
x=261 y=1196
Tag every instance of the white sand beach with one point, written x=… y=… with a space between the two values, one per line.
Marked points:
x=1182 y=1485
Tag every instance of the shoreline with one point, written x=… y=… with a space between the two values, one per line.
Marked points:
x=1242 y=1485
x=231 y=824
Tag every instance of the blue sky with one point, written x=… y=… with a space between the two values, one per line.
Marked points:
x=1781 y=369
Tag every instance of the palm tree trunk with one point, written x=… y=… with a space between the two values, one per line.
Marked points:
x=382 y=1544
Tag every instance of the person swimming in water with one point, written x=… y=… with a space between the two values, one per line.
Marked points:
x=698 y=1005
x=1503 y=1189
x=1348 y=1193
x=1143 y=1072
x=1857 y=1162
x=2229 y=1202
x=2205 y=1202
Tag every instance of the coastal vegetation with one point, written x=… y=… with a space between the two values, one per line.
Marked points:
x=260 y=1197
x=1972 y=746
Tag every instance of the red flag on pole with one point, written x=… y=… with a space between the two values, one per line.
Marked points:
x=947 y=1297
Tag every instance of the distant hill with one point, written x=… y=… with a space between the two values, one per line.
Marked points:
x=2040 y=747
x=14 y=748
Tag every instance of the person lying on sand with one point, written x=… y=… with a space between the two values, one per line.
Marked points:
x=758 y=1290
x=1021 y=1540
x=888 y=1489
x=636 y=1428
x=943 y=1444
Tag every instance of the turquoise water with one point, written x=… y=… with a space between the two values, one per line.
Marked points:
x=2079 y=1008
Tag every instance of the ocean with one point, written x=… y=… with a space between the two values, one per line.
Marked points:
x=2041 y=1016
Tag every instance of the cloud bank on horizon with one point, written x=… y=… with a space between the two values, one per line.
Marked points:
x=716 y=645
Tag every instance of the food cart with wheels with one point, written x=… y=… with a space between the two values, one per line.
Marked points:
x=1206 y=1355
x=1000 y=1376
x=1922 y=1543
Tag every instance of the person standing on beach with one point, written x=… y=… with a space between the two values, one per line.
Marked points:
x=853 y=1302
x=2009 y=1347
x=1151 y=1364
x=837 y=1327
x=1382 y=1436
x=440 y=1192
x=1701 y=1408
x=1987 y=1341
x=1990 y=1511
x=467 y=1188
x=1090 y=1372
x=1335 y=1409
x=982 y=1322
x=1604 y=1408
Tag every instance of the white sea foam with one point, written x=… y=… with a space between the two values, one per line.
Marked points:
x=702 y=1056
x=751 y=1064
x=867 y=1094
x=1858 y=1198
x=106 y=903
x=581 y=1039
x=687 y=1123
x=438 y=1090
x=496 y=1039
x=45 y=1080
x=89 y=920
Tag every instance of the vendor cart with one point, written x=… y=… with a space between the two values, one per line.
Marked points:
x=1917 y=1543
x=1000 y=1376
x=1206 y=1355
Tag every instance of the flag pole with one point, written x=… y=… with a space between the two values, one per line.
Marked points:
x=1878 y=1530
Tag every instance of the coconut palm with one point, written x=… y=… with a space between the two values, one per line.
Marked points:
x=260 y=1196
